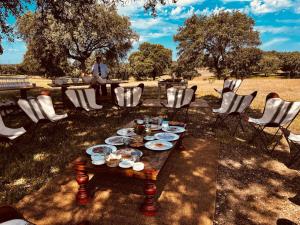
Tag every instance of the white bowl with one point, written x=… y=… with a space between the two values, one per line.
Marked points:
x=138 y=166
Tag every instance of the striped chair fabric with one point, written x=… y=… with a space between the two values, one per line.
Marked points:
x=233 y=103
x=10 y=133
x=128 y=97
x=178 y=98
x=40 y=108
x=232 y=85
x=83 y=98
x=277 y=113
x=294 y=143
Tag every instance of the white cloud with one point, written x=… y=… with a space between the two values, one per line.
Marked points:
x=271 y=29
x=273 y=42
x=188 y=2
x=176 y=10
x=146 y=23
x=288 y=21
x=269 y=6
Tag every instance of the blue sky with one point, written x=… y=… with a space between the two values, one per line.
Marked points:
x=277 y=20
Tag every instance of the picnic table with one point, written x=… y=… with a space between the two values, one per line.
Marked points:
x=64 y=87
x=23 y=90
x=154 y=162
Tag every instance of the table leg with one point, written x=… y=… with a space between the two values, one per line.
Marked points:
x=23 y=93
x=159 y=92
x=82 y=178
x=148 y=207
x=64 y=88
x=112 y=91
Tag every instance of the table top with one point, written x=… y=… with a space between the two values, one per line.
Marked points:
x=18 y=88
x=85 y=84
x=154 y=162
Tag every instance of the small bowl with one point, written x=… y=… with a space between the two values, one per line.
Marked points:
x=97 y=157
x=138 y=166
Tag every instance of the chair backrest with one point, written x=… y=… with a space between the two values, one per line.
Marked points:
x=46 y=104
x=233 y=103
x=233 y=85
x=179 y=97
x=33 y=109
x=278 y=112
x=128 y=96
x=84 y=98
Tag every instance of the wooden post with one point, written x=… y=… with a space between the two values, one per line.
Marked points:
x=82 y=196
x=23 y=93
x=148 y=207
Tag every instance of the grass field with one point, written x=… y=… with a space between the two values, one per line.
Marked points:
x=31 y=162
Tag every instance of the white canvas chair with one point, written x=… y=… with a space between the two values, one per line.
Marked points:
x=294 y=143
x=233 y=105
x=278 y=113
x=232 y=85
x=40 y=108
x=10 y=133
x=83 y=98
x=180 y=98
x=129 y=97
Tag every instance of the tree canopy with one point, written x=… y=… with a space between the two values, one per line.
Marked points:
x=290 y=62
x=211 y=41
x=97 y=29
x=7 y=8
x=150 y=61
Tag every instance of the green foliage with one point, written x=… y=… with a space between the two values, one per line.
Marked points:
x=243 y=62
x=211 y=41
x=150 y=61
x=269 y=64
x=8 y=8
x=290 y=62
x=77 y=33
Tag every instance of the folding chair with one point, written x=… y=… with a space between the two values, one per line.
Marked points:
x=294 y=142
x=40 y=109
x=233 y=105
x=180 y=98
x=277 y=113
x=83 y=98
x=9 y=134
x=232 y=85
x=129 y=97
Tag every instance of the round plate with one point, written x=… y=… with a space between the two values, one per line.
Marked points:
x=129 y=151
x=126 y=132
x=159 y=145
x=166 y=136
x=126 y=164
x=115 y=140
x=102 y=149
x=174 y=129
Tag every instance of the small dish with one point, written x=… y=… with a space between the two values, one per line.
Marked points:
x=115 y=140
x=149 y=138
x=167 y=136
x=138 y=166
x=97 y=157
x=126 y=164
x=126 y=132
x=98 y=162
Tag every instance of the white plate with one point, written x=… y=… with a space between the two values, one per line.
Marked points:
x=110 y=148
x=126 y=132
x=115 y=140
x=149 y=138
x=138 y=166
x=153 y=145
x=174 y=129
x=166 y=136
x=99 y=162
x=126 y=164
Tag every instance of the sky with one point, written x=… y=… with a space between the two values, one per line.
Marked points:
x=277 y=20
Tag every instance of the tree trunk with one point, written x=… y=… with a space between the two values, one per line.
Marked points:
x=82 y=65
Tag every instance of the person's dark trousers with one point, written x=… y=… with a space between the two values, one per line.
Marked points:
x=103 y=90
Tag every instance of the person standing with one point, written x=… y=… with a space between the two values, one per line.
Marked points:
x=100 y=74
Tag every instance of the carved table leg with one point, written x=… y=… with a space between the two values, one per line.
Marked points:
x=148 y=207
x=82 y=196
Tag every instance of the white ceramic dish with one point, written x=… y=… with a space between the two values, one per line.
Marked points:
x=149 y=138
x=126 y=164
x=115 y=140
x=106 y=149
x=159 y=145
x=138 y=166
x=129 y=132
x=166 y=136
x=174 y=129
x=155 y=127
x=98 y=162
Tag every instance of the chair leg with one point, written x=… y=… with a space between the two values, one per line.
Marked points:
x=277 y=141
x=295 y=157
x=186 y=119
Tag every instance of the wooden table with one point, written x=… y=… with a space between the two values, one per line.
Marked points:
x=23 y=90
x=154 y=162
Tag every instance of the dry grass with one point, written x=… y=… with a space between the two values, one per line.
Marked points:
x=245 y=174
